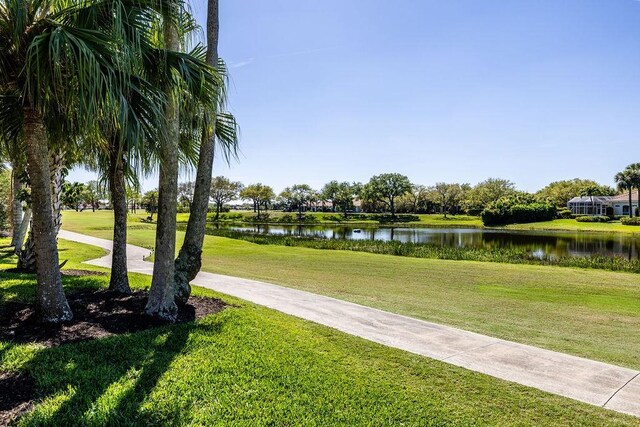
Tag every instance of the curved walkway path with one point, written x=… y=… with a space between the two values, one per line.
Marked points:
x=589 y=381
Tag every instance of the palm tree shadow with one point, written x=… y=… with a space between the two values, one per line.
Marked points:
x=134 y=362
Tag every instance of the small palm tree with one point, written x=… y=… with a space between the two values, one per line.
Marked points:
x=633 y=170
x=625 y=182
x=591 y=191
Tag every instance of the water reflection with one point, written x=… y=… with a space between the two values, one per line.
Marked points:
x=539 y=243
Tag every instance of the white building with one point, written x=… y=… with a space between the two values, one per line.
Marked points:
x=597 y=205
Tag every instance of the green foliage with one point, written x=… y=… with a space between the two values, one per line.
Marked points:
x=150 y=201
x=449 y=196
x=625 y=220
x=386 y=188
x=487 y=192
x=593 y=218
x=518 y=209
x=261 y=195
x=563 y=213
x=224 y=190
x=73 y=195
x=560 y=192
x=297 y=197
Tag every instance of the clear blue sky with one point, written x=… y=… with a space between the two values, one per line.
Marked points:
x=449 y=90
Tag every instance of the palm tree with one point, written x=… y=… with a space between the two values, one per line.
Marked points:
x=633 y=170
x=591 y=191
x=218 y=126
x=187 y=88
x=625 y=183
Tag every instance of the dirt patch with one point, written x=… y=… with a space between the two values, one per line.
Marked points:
x=17 y=393
x=97 y=314
x=66 y=272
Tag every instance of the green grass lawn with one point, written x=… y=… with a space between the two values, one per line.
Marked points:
x=573 y=225
x=251 y=366
x=585 y=312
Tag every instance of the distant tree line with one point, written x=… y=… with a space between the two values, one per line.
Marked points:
x=391 y=193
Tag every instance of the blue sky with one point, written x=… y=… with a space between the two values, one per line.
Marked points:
x=450 y=90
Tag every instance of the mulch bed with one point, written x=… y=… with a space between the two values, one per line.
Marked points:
x=96 y=314
x=65 y=272
x=17 y=394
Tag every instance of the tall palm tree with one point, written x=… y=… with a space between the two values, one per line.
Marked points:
x=185 y=91
x=625 y=183
x=189 y=260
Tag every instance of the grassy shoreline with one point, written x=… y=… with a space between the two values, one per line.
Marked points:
x=424 y=250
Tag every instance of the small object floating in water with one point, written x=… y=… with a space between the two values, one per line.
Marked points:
x=357 y=230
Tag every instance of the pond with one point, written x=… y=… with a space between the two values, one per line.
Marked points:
x=539 y=243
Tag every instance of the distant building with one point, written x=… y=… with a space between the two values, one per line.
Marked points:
x=597 y=205
x=620 y=203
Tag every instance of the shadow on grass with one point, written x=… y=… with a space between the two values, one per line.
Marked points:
x=110 y=378
x=24 y=290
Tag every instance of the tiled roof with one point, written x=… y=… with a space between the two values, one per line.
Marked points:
x=625 y=197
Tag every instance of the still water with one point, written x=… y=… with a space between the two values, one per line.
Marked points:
x=539 y=243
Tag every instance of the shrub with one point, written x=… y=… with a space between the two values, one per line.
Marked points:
x=517 y=210
x=586 y=218
x=630 y=221
x=564 y=213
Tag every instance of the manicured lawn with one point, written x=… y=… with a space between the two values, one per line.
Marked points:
x=588 y=313
x=252 y=366
x=573 y=225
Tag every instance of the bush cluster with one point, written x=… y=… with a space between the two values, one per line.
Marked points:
x=517 y=210
x=597 y=218
x=630 y=221
x=563 y=213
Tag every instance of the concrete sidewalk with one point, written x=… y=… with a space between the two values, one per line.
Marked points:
x=589 y=381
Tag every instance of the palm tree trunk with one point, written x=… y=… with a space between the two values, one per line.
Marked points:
x=161 y=302
x=50 y=299
x=119 y=280
x=22 y=231
x=189 y=260
x=27 y=256
x=630 y=204
x=16 y=208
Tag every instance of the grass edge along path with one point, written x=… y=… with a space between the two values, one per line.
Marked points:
x=251 y=365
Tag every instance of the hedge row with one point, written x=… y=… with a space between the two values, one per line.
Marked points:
x=630 y=221
x=502 y=213
x=586 y=218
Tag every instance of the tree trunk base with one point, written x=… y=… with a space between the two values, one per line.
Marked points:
x=119 y=285
x=188 y=264
x=159 y=311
